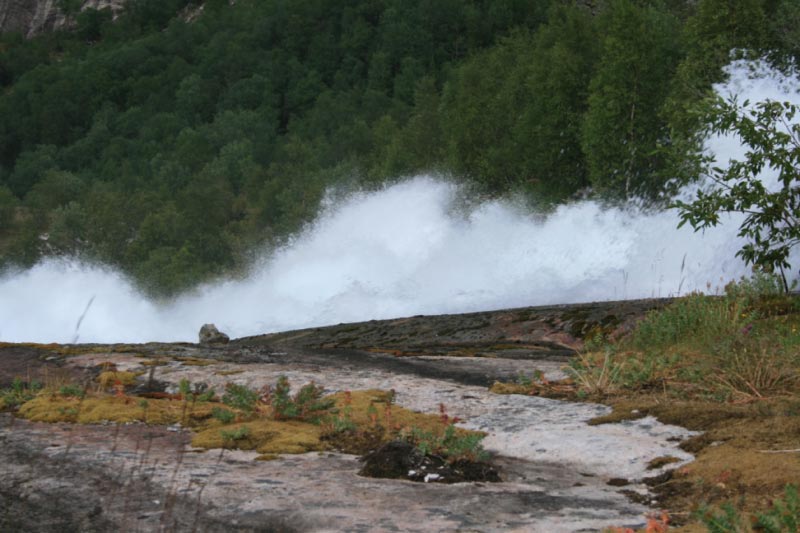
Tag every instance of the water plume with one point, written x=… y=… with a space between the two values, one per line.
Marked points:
x=407 y=250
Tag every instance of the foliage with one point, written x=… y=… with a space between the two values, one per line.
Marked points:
x=771 y=214
x=223 y=415
x=621 y=129
x=306 y=404
x=240 y=397
x=596 y=375
x=170 y=149
x=782 y=517
x=240 y=433
x=742 y=345
x=19 y=392
x=449 y=444
x=72 y=390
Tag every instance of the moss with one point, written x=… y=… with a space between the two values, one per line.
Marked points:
x=228 y=372
x=664 y=460
x=265 y=436
x=93 y=410
x=371 y=419
x=499 y=387
x=110 y=378
x=154 y=362
x=194 y=361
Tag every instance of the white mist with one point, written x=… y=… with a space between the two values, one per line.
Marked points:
x=405 y=251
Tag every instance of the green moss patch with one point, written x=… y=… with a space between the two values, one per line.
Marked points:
x=97 y=409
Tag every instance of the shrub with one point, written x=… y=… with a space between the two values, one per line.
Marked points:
x=240 y=397
x=72 y=390
x=307 y=404
x=19 y=392
x=450 y=444
x=223 y=415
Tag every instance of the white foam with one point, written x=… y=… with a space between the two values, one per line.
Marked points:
x=402 y=251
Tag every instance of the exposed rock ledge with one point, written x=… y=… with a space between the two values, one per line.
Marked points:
x=31 y=17
x=555 y=468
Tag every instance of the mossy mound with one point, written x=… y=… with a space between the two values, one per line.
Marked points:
x=264 y=435
x=110 y=378
x=356 y=422
x=125 y=409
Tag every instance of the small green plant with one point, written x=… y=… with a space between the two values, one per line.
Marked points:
x=307 y=404
x=20 y=392
x=240 y=433
x=195 y=392
x=68 y=411
x=726 y=520
x=694 y=319
x=240 y=397
x=523 y=380
x=449 y=444
x=340 y=422
x=596 y=378
x=782 y=517
x=185 y=389
x=223 y=415
x=72 y=390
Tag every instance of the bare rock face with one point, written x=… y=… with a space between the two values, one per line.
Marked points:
x=32 y=17
x=209 y=334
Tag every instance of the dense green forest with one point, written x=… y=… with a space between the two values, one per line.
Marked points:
x=173 y=141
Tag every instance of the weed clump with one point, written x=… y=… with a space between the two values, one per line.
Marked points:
x=742 y=345
x=18 y=393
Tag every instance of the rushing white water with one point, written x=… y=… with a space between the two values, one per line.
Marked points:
x=404 y=251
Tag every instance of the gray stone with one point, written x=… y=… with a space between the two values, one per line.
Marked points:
x=209 y=334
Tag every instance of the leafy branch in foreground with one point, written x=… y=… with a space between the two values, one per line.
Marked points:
x=772 y=217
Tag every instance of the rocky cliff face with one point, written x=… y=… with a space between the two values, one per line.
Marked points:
x=31 y=17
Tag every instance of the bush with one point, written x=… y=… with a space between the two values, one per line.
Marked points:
x=19 y=392
x=240 y=397
x=307 y=404
x=450 y=444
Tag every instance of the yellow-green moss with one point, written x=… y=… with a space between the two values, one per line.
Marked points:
x=391 y=417
x=194 y=361
x=93 y=410
x=265 y=436
x=153 y=362
x=110 y=378
x=370 y=411
x=228 y=372
x=499 y=387
x=267 y=457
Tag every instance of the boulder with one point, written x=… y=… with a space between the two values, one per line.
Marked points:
x=209 y=334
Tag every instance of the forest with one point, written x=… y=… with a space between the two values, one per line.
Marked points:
x=177 y=139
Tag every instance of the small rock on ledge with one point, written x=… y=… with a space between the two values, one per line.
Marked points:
x=209 y=334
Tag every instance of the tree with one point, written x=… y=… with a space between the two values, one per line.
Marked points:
x=772 y=214
x=560 y=65
x=623 y=128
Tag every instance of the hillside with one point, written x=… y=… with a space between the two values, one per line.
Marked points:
x=171 y=147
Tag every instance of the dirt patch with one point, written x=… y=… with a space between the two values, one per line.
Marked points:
x=401 y=460
x=31 y=363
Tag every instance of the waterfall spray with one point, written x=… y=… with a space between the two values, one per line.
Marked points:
x=403 y=251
